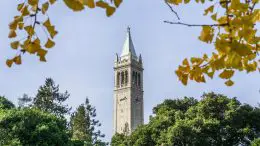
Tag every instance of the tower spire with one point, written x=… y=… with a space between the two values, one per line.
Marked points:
x=128 y=29
x=128 y=48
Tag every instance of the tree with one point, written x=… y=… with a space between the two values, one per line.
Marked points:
x=119 y=140
x=214 y=120
x=256 y=142
x=24 y=101
x=84 y=125
x=5 y=103
x=177 y=104
x=40 y=120
x=142 y=136
x=234 y=35
x=30 y=126
x=49 y=99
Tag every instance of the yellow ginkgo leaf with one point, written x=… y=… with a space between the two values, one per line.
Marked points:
x=89 y=3
x=226 y=74
x=45 y=7
x=102 y=4
x=184 y=79
x=186 y=1
x=25 y=11
x=75 y=5
x=175 y=2
x=13 y=25
x=20 y=6
x=210 y=74
x=37 y=41
x=12 y=34
x=15 y=44
x=117 y=3
x=185 y=62
x=50 y=44
x=32 y=48
x=52 y=31
x=256 y=15
x=17 y=60
x=205 y=56
x=229 y=83
x=42 y=59
x=233 y=60
x=20 y=25
x=29 y=29
x=202 y=79
x=110 y=11
x=241 y=49
x=209 y=9
x=33 y=2
x=47 y=23
x=52 y=1
x=50 y=28
x=214 y=17
x=18 y=18
x=206 y=34
x=251 y=56
x=195 y=60
x=9 y=62
x=251 y=67
x=41 y=52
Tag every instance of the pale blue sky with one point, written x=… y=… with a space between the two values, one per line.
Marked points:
x=82 y=60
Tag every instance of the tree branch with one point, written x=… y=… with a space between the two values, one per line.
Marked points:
x=252 y=8
x=176 y=14
x=199 y=25
x=35 y=17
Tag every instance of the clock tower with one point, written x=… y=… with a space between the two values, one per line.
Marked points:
x=128 y=89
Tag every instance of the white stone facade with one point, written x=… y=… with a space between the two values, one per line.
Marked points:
x=128 y=89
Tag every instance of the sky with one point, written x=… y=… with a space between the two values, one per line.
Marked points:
x=83 y=58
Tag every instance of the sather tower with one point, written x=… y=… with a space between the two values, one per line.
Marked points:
x=128 y=90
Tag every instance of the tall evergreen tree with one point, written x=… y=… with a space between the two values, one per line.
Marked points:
x=24 y=101
x=49 y=99
x=84 y=125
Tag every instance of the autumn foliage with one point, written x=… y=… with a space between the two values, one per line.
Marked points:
x=235 y=40
x=233 y=35
x=35 y=9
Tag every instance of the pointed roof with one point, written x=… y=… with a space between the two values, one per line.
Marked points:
x=128 y=48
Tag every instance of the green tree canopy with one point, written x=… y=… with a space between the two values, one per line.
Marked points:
x=5 y=103
x=30 y=126
x=119 y=140
x=256 y=142
x=214 y=120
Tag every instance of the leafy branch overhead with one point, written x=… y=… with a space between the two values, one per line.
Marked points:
x=234 y=35
x=33 y=20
